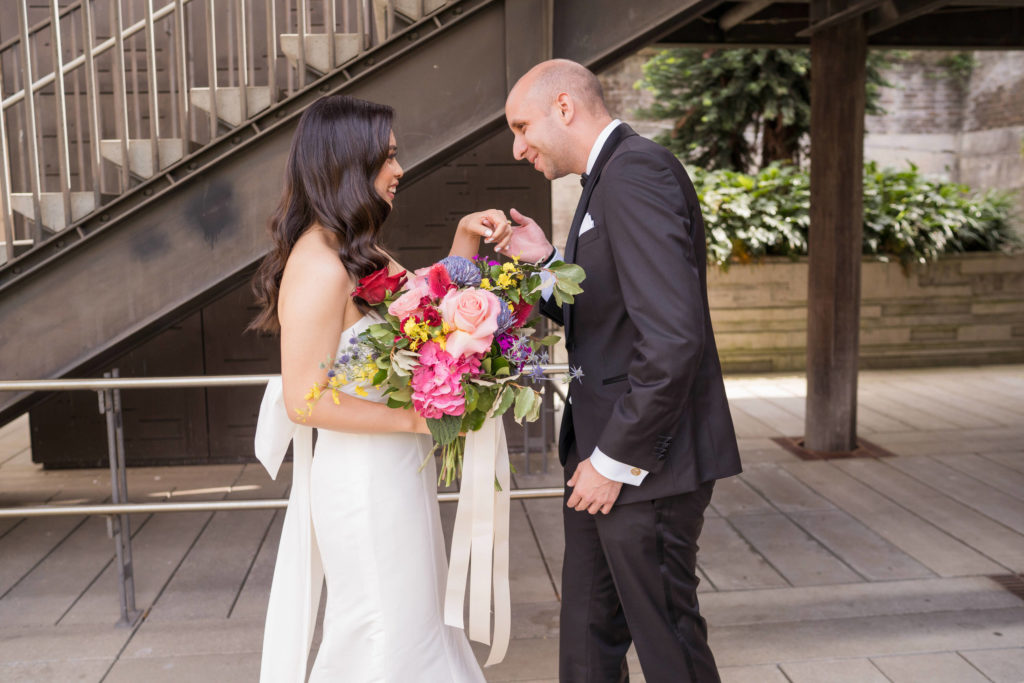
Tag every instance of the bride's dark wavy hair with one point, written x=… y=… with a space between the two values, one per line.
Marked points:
x=339 y=147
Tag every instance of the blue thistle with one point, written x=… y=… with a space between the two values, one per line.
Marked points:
x=537 y=373
x=506 y=318
x=462 y=271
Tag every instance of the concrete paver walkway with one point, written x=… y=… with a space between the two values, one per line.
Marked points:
x=892 y=569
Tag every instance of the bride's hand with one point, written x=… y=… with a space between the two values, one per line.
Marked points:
x=492 y=225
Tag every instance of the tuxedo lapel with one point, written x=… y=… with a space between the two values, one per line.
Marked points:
x=621 y=132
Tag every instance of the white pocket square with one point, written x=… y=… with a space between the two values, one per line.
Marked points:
x=587 y=224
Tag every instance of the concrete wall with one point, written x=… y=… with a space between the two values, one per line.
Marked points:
x=962 y=310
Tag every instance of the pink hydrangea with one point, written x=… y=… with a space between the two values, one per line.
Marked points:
x=437 y=382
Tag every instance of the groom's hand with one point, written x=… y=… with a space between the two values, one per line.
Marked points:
x=592 y=491
x=528 y=241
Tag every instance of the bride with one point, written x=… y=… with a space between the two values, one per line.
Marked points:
x=362 y=512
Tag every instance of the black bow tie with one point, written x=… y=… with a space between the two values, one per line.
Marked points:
x=583 y=180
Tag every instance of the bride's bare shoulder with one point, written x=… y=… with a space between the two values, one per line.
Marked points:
x=314 y=263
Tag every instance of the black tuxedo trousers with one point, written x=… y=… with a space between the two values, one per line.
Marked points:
x=631 y=577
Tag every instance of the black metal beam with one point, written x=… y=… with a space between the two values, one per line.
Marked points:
x=825 y=13
x=893 y=12
x=953 y=27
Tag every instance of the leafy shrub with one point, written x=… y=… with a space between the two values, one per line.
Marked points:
x=907 y=215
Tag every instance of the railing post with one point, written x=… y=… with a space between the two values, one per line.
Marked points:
x=151 y=86
x=119 y=526
x=302 y=13
x=63 y=158
x=272 y=50
x=121 y=92
x=30 y=117
x=243 y=63
x=181 y=69
x=93 y=98
x=330 y=20
x=6 y=214
x=211 y=66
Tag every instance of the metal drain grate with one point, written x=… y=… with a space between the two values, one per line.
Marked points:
x=864 y=449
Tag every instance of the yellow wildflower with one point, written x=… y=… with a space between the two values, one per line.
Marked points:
x=416 y=332
x=508 y=267
x=505 y=280
x=360 y=391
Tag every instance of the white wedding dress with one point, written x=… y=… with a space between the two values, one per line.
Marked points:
x=376 y=529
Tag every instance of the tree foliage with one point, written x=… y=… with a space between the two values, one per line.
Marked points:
x=723 y=101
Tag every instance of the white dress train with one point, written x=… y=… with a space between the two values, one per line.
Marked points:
x=376 y=530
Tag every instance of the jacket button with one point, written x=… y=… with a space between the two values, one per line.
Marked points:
x=635 y=471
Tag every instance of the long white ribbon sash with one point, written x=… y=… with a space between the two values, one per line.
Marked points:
x=480 y=541
x=298 y=573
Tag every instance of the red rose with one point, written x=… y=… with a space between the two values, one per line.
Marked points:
x=431 y=316
x=375 y=287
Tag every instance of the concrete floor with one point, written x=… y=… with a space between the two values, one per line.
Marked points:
x=862 y=570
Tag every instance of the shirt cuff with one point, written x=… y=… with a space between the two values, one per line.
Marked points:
x=615 y=470
x=547 y=279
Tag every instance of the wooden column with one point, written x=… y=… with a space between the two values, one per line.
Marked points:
x=838 y=55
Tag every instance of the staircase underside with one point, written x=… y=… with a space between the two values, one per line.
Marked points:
x=175 y=242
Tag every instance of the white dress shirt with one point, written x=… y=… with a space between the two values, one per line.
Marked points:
x=605 y=465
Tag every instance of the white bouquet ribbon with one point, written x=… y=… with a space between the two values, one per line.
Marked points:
x=480 y=541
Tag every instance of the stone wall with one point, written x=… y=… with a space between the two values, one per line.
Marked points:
x=961 y=310
x=969 y=131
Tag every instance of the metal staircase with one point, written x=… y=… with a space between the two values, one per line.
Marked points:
x=142 y=141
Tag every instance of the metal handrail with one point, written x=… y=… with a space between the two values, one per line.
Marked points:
x=117 y=513
x=218 y=505
x=196 y=381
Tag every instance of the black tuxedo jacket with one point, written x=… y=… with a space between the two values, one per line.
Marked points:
x=652 y=394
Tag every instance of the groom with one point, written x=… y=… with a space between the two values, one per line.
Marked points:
x=647 y=429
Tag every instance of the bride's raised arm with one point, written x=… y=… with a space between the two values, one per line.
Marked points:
x=314 y=295
x=491 y=225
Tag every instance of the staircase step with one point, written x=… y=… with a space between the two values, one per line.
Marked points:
x=140 y=154
x=20 y=247
x=229 y=102
x=408 y=10
x=52 y=207
x=346 y=46
x=411 y=9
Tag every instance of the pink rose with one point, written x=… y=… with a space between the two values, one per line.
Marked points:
x=473 y=316
x=409 y=303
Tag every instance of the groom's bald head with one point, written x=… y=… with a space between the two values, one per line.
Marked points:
x=556 y=111
x=545 y=82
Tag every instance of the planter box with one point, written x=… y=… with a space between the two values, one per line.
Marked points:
x=966 y=309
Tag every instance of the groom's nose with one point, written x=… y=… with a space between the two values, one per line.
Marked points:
x=518 y=148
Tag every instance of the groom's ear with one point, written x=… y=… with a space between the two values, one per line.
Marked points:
x=565 y=108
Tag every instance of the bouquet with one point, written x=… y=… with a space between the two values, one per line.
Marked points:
x=455 y=343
